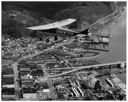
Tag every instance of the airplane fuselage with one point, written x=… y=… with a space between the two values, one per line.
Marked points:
x=57 y=32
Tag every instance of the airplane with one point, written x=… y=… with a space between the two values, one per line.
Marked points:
x=59 y=28
x=56 y=29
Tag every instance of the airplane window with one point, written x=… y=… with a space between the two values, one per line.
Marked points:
x=58 y=31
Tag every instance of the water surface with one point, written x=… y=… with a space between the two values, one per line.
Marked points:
x=117 y=42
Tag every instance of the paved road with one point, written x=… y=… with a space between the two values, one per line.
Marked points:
x=85 y=67
x=49 y=81
x=15 y=64
x=48 y=49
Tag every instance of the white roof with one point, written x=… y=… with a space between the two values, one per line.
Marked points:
x=45 y=90
x=81 y=35
x=29 y=95
x=9 y=86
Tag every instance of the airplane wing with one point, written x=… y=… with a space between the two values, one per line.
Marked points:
x=58 y=24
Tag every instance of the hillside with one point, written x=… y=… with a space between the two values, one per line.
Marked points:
x=16 y=16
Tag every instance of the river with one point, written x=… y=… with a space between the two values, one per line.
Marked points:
x=117 y=45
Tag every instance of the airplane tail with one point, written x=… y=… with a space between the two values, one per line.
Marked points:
x=86 y=31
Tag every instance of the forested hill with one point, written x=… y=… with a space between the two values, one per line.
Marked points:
x=16 y=16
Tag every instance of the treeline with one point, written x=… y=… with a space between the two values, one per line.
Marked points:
x=14 y=23
x=11 y=27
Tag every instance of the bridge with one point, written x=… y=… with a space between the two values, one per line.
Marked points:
x=92 y=67
x=107 y=19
